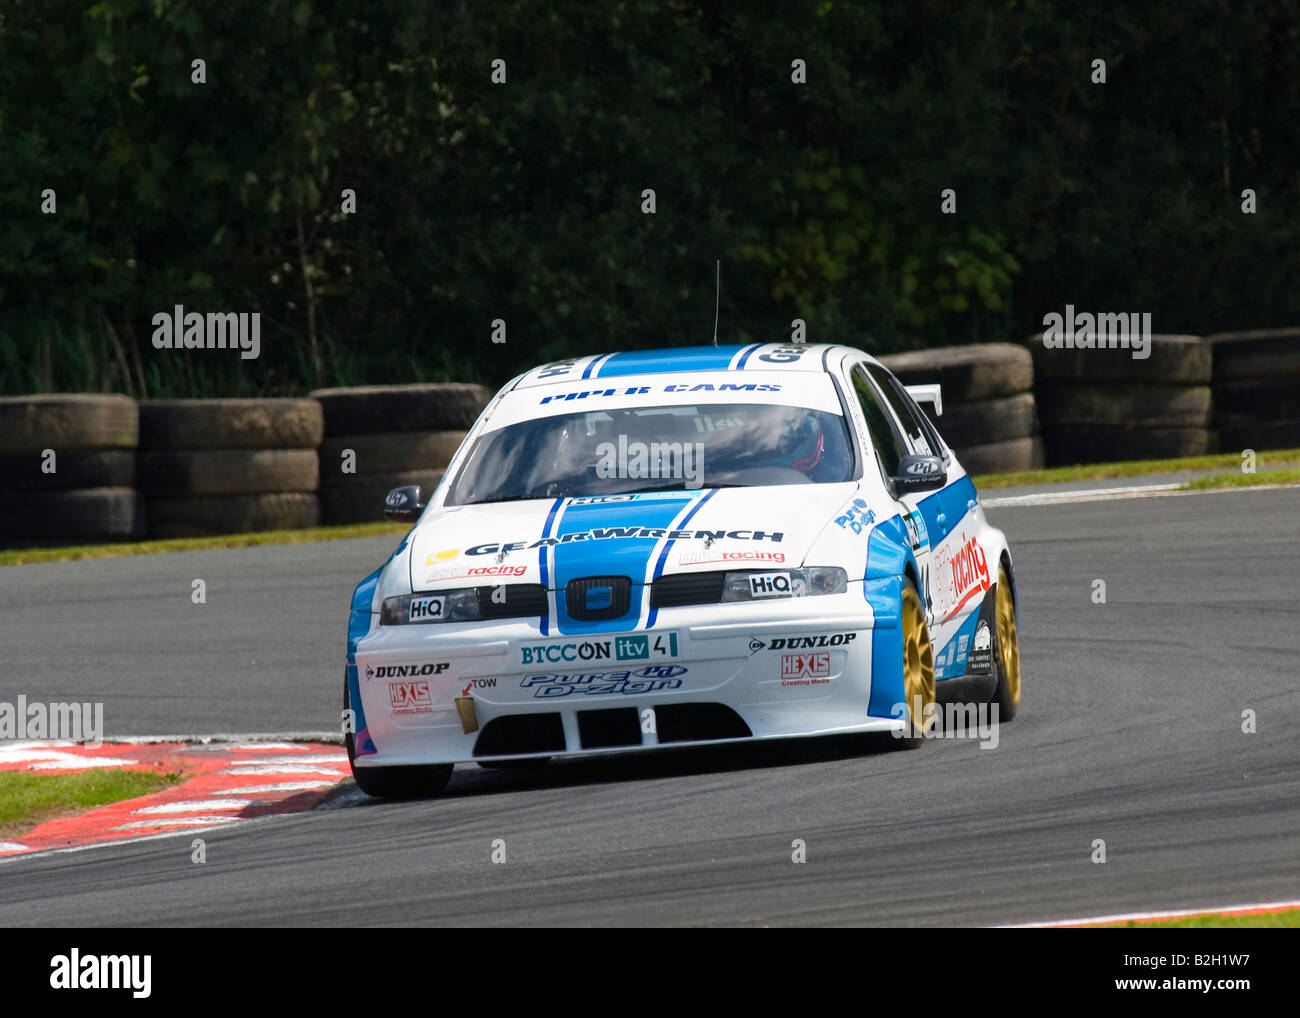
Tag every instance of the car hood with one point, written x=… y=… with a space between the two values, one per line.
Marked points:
x=553 y=541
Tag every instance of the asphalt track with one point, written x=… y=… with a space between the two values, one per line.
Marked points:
x=1130 y=732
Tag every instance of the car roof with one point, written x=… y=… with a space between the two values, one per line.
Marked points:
x=748 y=357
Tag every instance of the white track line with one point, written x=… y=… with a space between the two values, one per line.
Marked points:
x=82 y=763
x=1089 y=495
x=285 y=740
x=1271 y=906
x=341 y=773
x=43 y=853
x=283 y=786
x=307 y=758
x=1110 y=494
x=179 y=822
x=189 y=807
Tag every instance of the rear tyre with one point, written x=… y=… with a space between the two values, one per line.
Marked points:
x=418 y=782
x=918 y=668
x=1007 y=659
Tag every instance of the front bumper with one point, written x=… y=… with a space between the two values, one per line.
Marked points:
x=704 y=674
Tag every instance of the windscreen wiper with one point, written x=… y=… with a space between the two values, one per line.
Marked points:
x=677 y=486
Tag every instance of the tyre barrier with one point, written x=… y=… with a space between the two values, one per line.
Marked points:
x=70 y=472
x=1102 y=445
x=1172 y=360
x=1003 y=457
x=990 y=415
x=191 y=424
x=371 y=409
x=967 y=373
x=1257 y=389
x=218 y=466
x=1098 y=404
x=382 y=437
x=62 y=517
x=204 y=515
x=67 y=467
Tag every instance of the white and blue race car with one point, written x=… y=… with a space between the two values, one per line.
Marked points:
x=675 y=548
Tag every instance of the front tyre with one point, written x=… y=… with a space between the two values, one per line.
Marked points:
x=1007 y=693
x=412 y=782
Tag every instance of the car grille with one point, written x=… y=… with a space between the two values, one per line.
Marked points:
x=512 y=601
x=594 y=598
x=686 y=588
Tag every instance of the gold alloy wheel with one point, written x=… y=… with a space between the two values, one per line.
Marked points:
x=918 y=664
x=1008 y=645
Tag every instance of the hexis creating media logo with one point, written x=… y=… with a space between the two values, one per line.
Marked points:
x=801 y=666
x=805 y=669
x=410 y=698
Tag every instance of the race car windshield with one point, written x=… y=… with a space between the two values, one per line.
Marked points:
x=627 y=450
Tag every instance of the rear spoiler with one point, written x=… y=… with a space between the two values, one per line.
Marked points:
x=927 y=394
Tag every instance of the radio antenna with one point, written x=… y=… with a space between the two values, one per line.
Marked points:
x=717 y=300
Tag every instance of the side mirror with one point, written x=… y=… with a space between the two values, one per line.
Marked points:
x=919 y=473
x=404 y=505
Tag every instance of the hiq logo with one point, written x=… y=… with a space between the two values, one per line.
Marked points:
x=769 y=585
x=426 y=608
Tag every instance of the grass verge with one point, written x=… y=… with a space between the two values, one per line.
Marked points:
x=25 y=556
x=1135 y=468
x=1219 y=481
x=1288 y=919
x=30 y=799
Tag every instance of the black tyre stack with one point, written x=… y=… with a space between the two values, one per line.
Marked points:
x=390 y=436
x=989 y=413
x=1099 y=405
x=1257 y=389
x=223 y=466
x=81 y=488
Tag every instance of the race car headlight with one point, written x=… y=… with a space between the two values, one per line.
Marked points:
x=755 y=585
x=444 y=606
